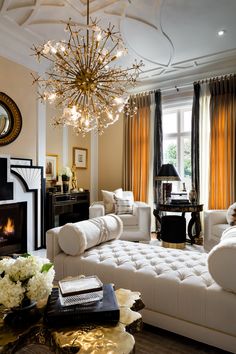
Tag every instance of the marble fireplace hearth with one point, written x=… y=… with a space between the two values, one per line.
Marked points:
x=22 y=195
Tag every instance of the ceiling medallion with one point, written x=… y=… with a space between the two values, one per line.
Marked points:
x=82 y=78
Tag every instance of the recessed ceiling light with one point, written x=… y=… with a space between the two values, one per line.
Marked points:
x=221 y=33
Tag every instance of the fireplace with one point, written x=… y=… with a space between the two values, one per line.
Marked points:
x=26 y=197
x=13 y=228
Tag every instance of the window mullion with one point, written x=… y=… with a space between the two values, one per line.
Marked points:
x=179 y=141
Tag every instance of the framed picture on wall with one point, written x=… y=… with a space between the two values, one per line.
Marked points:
x=80 y=157
x=51 y=167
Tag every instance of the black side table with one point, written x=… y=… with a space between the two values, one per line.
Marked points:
x=194 y=209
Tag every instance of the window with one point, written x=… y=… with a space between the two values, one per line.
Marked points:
x=177 y=141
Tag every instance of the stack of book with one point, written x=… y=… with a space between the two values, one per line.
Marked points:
x=179 y=198
x=82 y=300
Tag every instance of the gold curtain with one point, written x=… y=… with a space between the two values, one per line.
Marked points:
x=137 y=147
x=222 y=138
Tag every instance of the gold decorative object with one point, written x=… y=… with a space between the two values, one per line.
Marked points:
x=82 y=78
x=74 y=179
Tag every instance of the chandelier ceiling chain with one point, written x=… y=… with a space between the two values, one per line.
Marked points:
x=82 y=78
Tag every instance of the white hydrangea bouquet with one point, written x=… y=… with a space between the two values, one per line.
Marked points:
x=25 y=278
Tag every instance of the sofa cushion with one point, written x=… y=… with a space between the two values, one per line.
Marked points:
x=123 y=205
x=109 y=201
x=222 y=263
x=75 y=238
x=231 y=214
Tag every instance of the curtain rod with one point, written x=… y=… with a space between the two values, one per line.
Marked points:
x=169 y=88
x=188 y=84
x=223 y=77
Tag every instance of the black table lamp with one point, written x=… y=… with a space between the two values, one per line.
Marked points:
x=167 y=172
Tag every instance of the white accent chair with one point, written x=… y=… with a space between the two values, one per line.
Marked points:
x=136 y=226
x=215 y=223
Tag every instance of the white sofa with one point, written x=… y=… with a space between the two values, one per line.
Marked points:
x=136 y=226
x=215 y=224
x=179 y=293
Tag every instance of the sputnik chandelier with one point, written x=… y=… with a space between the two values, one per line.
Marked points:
x=82 y=78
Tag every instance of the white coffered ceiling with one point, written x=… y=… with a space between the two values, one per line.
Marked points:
x=176 y=39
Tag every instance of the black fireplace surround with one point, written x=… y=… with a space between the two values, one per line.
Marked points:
x=13 y=228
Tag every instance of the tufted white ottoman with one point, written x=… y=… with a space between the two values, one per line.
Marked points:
x=177 y=289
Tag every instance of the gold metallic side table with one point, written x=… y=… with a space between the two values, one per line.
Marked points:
x=102 y=339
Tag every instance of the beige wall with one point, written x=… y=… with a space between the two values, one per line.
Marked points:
x=82 y=175
x=16 y=82
x=53 y=135
x=54 y=146
x=110 y=157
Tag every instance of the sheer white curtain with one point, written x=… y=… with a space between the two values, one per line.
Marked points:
x=204 y=143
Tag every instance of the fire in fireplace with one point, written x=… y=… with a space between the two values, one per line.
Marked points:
x=13 y=228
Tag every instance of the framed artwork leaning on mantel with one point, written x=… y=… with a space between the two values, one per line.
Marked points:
x=80 y=157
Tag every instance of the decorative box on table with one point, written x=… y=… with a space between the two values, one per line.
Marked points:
x=98 y=306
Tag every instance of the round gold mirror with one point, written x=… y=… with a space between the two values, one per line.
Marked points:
x=10 y=120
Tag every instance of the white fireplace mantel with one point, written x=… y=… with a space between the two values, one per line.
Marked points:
x=28 y=185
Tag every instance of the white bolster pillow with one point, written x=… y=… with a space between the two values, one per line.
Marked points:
x=222 y=263
x=75 y=238
x=229 y=232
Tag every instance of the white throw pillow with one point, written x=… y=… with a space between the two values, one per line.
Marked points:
x=128 y=194
x=75 y=238
x=222 y=263
x=123 y=205
x=109 y=200
x=231 y=215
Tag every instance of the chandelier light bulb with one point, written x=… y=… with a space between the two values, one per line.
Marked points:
x=119 y=100
x=52 y=97
x=110 y=115
x=53 y=50
x=99 y=37
x=119 y=54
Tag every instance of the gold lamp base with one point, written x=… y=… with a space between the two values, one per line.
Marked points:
x=180 y=245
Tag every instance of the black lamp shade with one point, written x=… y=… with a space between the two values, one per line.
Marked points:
x=167 y=172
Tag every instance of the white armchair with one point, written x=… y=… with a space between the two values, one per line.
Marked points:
x=136 y=226
x=215 y=223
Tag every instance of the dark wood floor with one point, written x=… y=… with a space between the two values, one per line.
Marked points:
x=157 y=341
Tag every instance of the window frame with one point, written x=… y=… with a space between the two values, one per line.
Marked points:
x=179 y=135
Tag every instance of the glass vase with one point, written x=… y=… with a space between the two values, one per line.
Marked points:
x=65 y=186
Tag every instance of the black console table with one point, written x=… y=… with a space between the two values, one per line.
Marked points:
x=194 y=209
x=62 y=208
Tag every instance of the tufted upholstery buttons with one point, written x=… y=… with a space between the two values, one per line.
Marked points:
x=152 y=260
